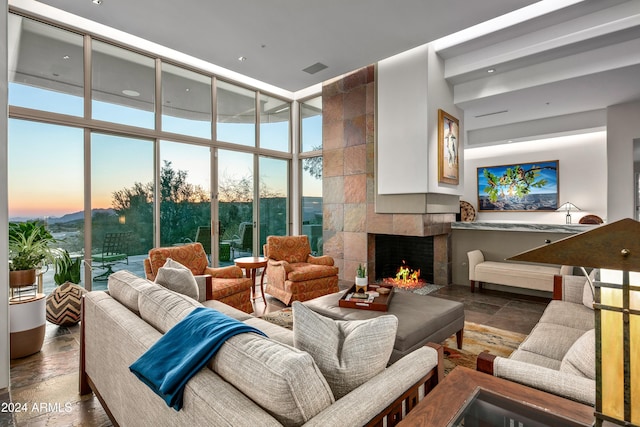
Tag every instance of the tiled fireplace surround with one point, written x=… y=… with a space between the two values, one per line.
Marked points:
x=350 y=220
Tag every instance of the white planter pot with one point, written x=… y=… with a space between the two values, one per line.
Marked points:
x=361 y=284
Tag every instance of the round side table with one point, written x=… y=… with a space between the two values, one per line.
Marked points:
x=27 y=325
x=251 y=264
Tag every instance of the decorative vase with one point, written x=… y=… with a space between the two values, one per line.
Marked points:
x=361 y=284
x=64 y=304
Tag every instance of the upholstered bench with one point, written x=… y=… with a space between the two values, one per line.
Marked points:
x=529 y=276
x=421 y=318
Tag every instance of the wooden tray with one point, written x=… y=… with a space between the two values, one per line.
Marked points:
x=380 y=303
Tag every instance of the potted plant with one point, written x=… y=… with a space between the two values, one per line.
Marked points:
x=361 y=278
x=66 y=269
x=29 y=249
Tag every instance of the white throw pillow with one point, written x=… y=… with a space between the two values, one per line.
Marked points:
x=178 y=278
x=348 y=353
x=581 y=358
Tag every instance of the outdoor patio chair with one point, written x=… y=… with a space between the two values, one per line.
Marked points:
x=243 y=241
x=115 y=249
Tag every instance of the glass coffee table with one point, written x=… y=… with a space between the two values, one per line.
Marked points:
x=469 y=398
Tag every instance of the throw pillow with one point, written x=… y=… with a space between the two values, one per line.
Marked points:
x=178 y=278
x=348 y=353
x=581 y=358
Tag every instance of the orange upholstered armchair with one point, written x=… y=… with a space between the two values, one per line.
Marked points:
x=225 y=284
x=294 y=274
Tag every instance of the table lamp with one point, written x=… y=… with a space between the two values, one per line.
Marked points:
x=568 y=207
x=615 y=246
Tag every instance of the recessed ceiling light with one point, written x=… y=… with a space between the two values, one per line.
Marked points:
x=98 y=2
x=66 y=57
x=491 y=70
x=130 y=92
x=242 y=58
x=187 y=90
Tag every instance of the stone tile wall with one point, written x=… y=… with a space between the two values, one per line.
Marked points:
x=350 y=221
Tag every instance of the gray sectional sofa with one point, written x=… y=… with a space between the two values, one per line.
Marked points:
x=251 y=381
x=558 y=356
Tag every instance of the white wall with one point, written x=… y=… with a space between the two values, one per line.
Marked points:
x=623 y=126
x=410 y=90
x=582 y=174
x=401 y=123
x=4 y=216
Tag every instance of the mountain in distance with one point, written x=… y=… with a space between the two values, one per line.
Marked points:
x=76 y=216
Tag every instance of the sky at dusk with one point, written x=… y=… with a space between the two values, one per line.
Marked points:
x=46 y=168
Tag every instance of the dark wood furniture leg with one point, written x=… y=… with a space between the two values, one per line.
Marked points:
x=459 y=337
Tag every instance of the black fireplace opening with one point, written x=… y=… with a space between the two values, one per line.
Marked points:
x=393 y=251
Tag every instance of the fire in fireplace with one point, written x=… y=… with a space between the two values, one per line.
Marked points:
x=414 y=253
x=406 y=278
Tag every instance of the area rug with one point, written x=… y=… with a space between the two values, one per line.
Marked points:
x=477 y=338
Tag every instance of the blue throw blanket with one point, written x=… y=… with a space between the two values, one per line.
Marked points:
x=167 y=366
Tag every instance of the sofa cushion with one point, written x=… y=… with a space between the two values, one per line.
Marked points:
x=125 y=287
x=550 y=340
x=303 y=271
x=162 y=308
x=581 y=357
x=568 y=314
x=348 y=353
x=284 y=381
x=178 y=278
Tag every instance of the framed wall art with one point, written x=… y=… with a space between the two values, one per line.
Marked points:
x=448 y=148
x=522 y=187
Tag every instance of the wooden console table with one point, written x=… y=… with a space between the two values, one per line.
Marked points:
x=445 y=403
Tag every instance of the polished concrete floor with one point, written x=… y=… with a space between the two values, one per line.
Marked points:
x=44 y=386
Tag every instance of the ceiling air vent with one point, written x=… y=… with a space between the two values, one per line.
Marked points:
x=312 y=69
x=491 y=114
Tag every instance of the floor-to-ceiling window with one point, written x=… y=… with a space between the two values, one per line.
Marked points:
x=311 y=167
x=140 y=151
x=274 y=190
x=122 y=202
x=235 y=201
x=185 y=201
x=46 y=177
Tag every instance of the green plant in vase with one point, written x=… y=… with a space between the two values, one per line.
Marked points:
x=30 y=248
x=66 y=269
x=361 y=278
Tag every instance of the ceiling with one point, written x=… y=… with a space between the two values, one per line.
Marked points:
x=555 y=71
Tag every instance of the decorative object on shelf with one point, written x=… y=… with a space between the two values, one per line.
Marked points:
x=448 y=148
x=568 y=207
x=518 y=187
x=361 y=279
x=613 y=246
x=467 y=212
x=591 y=219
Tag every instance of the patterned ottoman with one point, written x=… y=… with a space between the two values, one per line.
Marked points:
x=421 y=318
